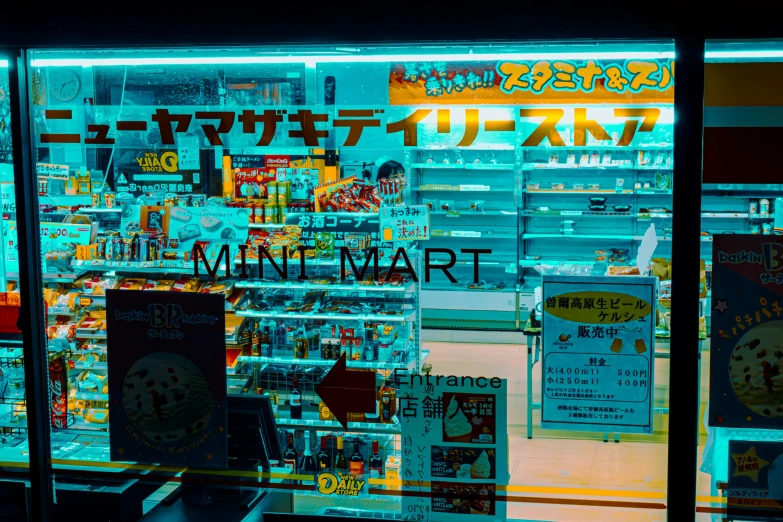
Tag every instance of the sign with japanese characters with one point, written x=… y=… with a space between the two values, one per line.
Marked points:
x=167 y=400
x=454 y=446
x=532 y=81
x=746 y=385
x=340 y=223
x=48 y=170
x=146 y=171
x=755 y=485
x=405 y=223
x=598 y=335
x=300 y=129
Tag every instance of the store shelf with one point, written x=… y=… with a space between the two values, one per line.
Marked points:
x=101 y=335
x=51 y=277
x=339 y=287
x=311 y=420
x=99 y=210
x=529 y=167
x=84 y=396
x=463 y=166
x=462 y=287
x=579 y=236
x=472 y=213
x=462 y=188
x=92 y=366
x=576 y=213
x=530 y=263
x=160 y=267
x=290 y=361
x=471 y=234
x=408 y=317
x=80 y=424
x=588 y=192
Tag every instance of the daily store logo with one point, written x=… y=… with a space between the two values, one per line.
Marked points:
x=343 y=485
x=154 y=162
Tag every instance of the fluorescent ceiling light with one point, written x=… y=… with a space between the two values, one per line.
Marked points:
x=744 y=54
x=3 y=63
x=345 y=58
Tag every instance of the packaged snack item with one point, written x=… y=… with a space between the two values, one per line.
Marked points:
x=324 y=245
x=271 y=213
x=186 y=284
x=224 y=287
x=429 y=202
x=477 y=205
x=131 y=283
x=96 y=200
x=447 y=204
x=97 y=416
x=109 y=199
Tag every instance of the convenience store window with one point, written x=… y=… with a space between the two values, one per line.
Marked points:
x=740 y=437
x=14 y=455
x=487 y=171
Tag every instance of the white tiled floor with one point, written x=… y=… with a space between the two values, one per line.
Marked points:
x=562 y=467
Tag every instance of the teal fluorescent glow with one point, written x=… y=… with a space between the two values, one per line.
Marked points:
x=743 y=54
x=344 y=58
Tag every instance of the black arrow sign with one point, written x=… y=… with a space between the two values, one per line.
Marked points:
x=344 y=391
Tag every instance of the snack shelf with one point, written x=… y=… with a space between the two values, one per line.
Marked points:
x=143 y=268
x=346 y=287
x=311 y=420
x=85 y=396
x=578 y=236
x=464 y=288
x=383 y=262
x=549 y=261
x=68 y=277
x=365 y=365
x=408 y=317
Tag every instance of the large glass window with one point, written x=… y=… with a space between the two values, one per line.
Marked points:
x=211 y=224
x=740 y=439
x=14 y=459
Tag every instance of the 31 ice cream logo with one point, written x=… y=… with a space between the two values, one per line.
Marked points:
x=345 y=485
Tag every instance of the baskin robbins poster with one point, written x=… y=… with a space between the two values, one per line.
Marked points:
x=746 y=381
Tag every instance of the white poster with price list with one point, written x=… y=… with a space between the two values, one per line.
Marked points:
x=598 y=356
x=454 y=449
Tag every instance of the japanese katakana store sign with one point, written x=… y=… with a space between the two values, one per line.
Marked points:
x=598 y=336
x=537 y=81
x=312 y=126
x=454 y=446
x=755 y=489
x=405 y=223
x=746 y=385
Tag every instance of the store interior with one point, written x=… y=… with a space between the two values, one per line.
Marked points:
x=582 y=209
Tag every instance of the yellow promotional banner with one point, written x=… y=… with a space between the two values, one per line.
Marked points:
x=598 y=307
x=527 y=82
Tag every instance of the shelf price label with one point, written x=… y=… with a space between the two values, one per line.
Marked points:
x=474 y=188
x=465 y=233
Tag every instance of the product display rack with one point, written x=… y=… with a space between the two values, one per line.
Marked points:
x=472 y=206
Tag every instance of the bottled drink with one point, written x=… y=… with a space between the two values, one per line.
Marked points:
x=308 y=462
x=387 y=406
x=301 y=345
x=296 y=400
x=266 y=343
x=356 y=466
x=376 y=464
x=255 y=339
x=324 y=458
x=340 y=463
x=290 y=457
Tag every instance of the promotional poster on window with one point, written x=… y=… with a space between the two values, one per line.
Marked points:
x=598 y=335
x=454 y=446
x=755 y=488
x=167 y=378
x=746 y=384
